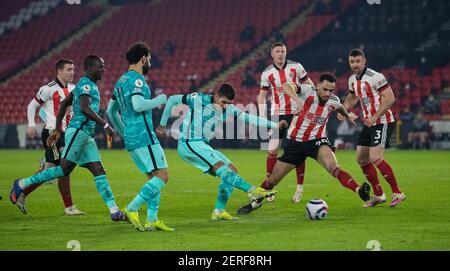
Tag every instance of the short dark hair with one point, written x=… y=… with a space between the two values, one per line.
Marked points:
x=61 y=62
x=137 y=51
x=279 y=43
x=90 y=61
x=356 y=52
x=227 y=90
x=328 y=77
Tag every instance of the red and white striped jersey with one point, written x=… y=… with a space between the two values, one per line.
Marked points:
x=312 y=122
x=273 y=78
x=49 y=97
x=368 y=87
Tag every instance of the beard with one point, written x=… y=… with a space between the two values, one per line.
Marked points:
x=145 y=69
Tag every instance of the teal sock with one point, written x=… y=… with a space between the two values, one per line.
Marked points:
x=150 y=192
x=44 y=176
x=152 y=208
x=225 y=191
x=105 y=191
x=136 y=203
x=232 y=178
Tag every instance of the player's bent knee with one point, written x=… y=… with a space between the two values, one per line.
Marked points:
x=162 y=174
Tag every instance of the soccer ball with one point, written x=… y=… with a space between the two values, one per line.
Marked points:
x=316 y=209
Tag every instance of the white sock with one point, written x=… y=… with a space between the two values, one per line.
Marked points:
x=21 y=183
x=114 y=209
x=300 y=187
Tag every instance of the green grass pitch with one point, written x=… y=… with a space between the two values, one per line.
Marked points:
x=422 y=222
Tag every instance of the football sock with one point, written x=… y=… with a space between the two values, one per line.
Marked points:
x=33 y=187
x=225 y=191
x=232 y=178
x=64 y=190
x=345 y=179
x=43 y=176
x=388 y=174
x=300 y=172
x=105 y=191
x=371 y=175
x=270 y=163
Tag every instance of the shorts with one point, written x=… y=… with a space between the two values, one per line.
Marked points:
x=81 y=148
x=53 y=153
x=376 y=135
x=149 y=158
x=201 y=155
x=295 y=153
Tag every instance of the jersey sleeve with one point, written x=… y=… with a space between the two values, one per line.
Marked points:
x=302 y=74
x=264 y=84
x=41 y=96
x=335 y=101
x=304 y=91
x=86 y=90
x=138 y=87
x=190 y=98
x=350 y=86
x=379 y=82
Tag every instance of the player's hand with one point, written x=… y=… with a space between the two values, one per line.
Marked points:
x=352 y=118
x=53 y=138
x=31 y=132
x=109 y=131
x=341 y=116
x=283 y=124
x=160 y=131
x=370 y=121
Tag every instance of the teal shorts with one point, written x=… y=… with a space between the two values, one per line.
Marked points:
x=201 y=155
x=149 y=158
x=80 y=147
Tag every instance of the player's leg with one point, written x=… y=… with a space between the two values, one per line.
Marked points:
x=224 y=193
x=151 y=161
x=272 y=154
x=381 y=135
x=369 y=170
x=88 y=156
x=104 y=189
x=376 y=156
x=300 y=174
x=327 y=160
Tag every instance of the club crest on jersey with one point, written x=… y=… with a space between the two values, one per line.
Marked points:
x=291 y=75
x=86 y=88
x=139 y=83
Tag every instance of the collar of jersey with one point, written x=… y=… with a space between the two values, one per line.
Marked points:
x=59 y=82
x=359 y=77
x=284 y=65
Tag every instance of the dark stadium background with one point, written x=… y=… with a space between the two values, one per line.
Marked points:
x=198 y=44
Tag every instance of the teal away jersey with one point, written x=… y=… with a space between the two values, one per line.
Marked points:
x=201 y=120
x=138 y=127
x=80 y=121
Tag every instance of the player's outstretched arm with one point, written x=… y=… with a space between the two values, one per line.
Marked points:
x=350 y=101
x=171 y=103
x=140 y=104
x=289 y=89
x=114 y=117
x=350 y=116
x=258 y=121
